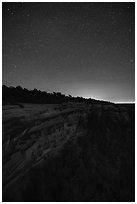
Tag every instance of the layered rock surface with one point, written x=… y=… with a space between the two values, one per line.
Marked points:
x=74 y=152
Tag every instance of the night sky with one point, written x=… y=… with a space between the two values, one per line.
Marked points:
x=82 y=49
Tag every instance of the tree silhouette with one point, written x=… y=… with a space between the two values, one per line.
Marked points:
x=16 y=95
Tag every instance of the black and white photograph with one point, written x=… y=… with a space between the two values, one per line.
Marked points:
x=68 y=101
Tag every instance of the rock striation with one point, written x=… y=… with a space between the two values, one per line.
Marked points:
x=81 y=153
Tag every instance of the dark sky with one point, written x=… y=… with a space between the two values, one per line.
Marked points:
x=82 y=49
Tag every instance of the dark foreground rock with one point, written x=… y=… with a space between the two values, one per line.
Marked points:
x=97 y=163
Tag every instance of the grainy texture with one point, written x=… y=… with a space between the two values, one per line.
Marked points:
x=80 y=153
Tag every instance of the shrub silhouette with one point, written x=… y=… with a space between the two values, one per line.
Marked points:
x=15 y=95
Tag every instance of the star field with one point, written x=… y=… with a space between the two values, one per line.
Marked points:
x=82 y=49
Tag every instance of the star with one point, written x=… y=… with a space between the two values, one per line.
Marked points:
x=46 y=37
x=131 y=60
x=129 y=30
